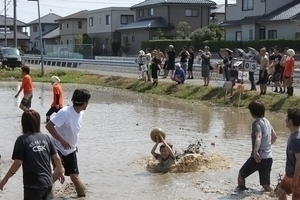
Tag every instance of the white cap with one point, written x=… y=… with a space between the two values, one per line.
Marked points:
x=55 y=79
x=177 y=65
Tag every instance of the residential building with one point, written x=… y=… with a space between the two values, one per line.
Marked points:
x=72 y=26
x=22 y=35
x=152 y=15
x=217 y=15
x=50 y=31
x=262 y=19
x=103 y=24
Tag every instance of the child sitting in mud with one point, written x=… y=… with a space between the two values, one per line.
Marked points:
x=166 y=157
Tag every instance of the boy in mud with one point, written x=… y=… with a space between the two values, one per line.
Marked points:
x=290 y=183
x=27 y=89
x=166 y=157
x=263 y=135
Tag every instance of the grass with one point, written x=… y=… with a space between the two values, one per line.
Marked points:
x=193 y=93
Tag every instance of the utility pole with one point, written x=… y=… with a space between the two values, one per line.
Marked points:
x=15 y=24
x=5 y=36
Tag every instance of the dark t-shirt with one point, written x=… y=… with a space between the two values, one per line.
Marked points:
x=278 y=58
x=293 y=147
x=183 y=57
x=192 y=57
x=35 y=150
x=172 y=55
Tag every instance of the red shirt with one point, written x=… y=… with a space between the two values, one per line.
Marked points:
x=27 y=84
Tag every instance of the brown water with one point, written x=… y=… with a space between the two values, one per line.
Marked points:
x=114 y=146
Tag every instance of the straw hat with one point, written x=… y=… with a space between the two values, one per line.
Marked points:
x=155 y=132
x=141 y=53
x=54 y=79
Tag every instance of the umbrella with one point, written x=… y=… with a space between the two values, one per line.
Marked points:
x=223 y=51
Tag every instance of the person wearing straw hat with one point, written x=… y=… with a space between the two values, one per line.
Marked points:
x=58 y=99
x=288 y=73
x=166 y=157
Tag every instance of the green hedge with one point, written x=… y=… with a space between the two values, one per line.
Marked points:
x=257 y=44
x=164 y=44
x=216 y=45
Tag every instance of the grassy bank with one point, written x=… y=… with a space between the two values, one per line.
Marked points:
x=273 y=102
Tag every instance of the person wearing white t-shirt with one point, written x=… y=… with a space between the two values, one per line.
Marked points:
x=64 y=128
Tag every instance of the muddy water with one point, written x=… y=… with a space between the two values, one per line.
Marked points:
x=115 y=145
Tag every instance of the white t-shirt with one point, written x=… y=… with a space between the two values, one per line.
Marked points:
x=67 y=124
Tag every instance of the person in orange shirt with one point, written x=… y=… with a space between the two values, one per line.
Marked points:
x=27 y=88
x=58 y=99
x=288 y=73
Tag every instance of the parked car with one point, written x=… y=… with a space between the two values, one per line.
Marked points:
x=10 y=57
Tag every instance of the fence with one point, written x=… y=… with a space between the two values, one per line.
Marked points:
x=77 y=51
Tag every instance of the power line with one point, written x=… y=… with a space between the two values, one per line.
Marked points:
x=6 y=6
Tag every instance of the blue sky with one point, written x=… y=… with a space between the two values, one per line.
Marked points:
x=27 y=10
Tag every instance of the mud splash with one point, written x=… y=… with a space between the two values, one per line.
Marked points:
x=191 y=163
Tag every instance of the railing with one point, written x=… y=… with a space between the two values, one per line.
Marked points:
x=120 y=64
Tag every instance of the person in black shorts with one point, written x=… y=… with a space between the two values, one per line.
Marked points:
x=171 y=61
x=275 y=63
x=155 y=68
x=263 y=72
x=191 y=63
x=33 y=151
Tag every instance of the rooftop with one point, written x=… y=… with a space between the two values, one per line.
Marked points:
x=47 y=19
x=147 y=23
x=10 y=21
x=78 y=15
x=158 y=2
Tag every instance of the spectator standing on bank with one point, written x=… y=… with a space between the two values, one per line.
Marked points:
x=205 y=63
x=191 y=63
x=171 y=61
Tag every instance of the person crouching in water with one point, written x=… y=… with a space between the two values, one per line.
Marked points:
x=166 y=157
x=58 y=99
x=179 y=75
x=155 y=68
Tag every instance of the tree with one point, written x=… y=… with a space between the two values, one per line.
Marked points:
x=182 y=30
x=160 y=34
x=115 y=47
x=211 y=32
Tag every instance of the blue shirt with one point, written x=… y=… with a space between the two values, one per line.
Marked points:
x=180 y=73
x=293 y=147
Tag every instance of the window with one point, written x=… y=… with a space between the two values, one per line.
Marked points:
x=238 y=36
x=126 y=19
x=34 y=28
x=91 y=21
x=100 y=20
x=43 y=28
x=133 y=38
x=263 y=0
x=67 y=25
x=150 y=11
x=141 y=13
x=107 y=19
x=61 y=26
x=272 y=34
x=79 y=24
x=251 y=34
x=192 y=12
x=262 y=33
x=67 y=41
x=248 y=5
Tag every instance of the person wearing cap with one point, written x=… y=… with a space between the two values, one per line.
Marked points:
x=171 y=61
x=289 y=71
x=64 y=128
x=58 y=99
x=205 y=64
x=179 y=75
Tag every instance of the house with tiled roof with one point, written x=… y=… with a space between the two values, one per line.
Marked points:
x=152 y=15
x=217 y=14
x=263 y=19
x=49 y=26
x=71 y=26
x=22 y=35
